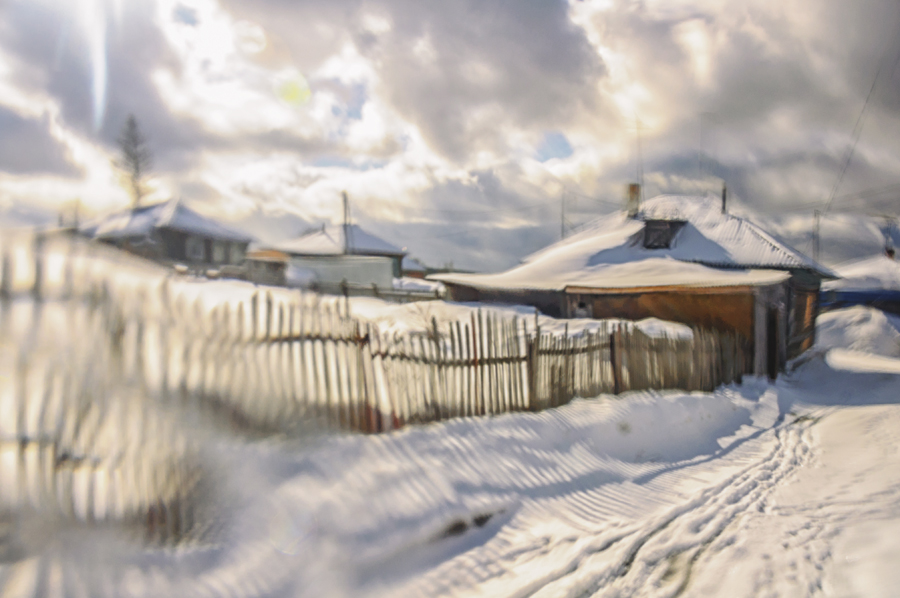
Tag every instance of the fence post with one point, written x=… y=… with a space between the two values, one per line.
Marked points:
x=614 y=360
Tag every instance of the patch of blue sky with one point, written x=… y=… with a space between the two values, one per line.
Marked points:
x=347 y=163
x=553 y=145
x=186 y=15
x=357 y=98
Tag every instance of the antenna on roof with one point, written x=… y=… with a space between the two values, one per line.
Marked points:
x=562 y=216
x=817 y=218
x=889 y=237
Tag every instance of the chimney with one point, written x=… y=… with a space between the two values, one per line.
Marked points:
x=634 y=200
x=724 y=197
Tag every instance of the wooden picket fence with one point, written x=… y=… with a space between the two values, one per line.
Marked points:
x=111 y=368
x=272 y=360
x=303 y=361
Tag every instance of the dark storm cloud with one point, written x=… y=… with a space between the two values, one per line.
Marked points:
x=524 y=59
x=26 y=147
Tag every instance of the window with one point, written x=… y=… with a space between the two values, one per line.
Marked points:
x=219 y=251
x=658 y=234
x=195 y=249
x=236 y=253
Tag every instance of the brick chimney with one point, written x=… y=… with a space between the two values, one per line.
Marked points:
x=634 y=200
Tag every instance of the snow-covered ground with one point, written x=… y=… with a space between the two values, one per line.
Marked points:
x=785 y=489
x=874 y=273
x=789 y=489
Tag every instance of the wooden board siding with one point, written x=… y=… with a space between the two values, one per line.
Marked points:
x=726 y=311
x=803 y=307
x=802 y=321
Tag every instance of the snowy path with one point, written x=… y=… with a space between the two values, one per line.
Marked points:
x=780 y=490
x=600 y=498
x=833 y=529
x=639 y=536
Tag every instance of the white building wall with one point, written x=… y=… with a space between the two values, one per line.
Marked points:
x=333 y=269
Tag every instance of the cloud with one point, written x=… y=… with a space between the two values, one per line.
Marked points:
x=462 y=124
x=26 y=147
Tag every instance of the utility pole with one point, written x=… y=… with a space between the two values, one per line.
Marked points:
x=640 y=160
x=817 y=220
x=562 y=215
x=347 y=243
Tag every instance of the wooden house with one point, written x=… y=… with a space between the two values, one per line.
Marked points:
x=172 y=233
x=678 y=258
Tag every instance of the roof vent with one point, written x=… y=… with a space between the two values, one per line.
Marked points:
x=658 y=234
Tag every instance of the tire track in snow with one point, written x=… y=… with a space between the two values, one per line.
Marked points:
x=659 y=558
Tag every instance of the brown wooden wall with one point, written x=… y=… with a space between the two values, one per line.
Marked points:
x=726 y=311
x=804 y=309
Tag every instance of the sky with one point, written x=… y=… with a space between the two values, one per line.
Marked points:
x=460 y=130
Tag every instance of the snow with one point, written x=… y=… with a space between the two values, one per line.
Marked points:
x=844 y=236
x=860 y=361
x=407 y=283
x=394 y=318
x=712 y=249
x=565 y=269
x=330 y=241
x=873 y=273
x=789 y=488
x=859 y=328
x=171 y=214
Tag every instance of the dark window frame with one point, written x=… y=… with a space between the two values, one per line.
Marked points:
x=659 y=234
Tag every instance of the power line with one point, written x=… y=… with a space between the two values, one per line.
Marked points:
x=857 y=131
x=857 y=128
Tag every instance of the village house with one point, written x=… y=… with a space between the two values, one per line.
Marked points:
x=172 y=233
x=330 y=257
x=678 y=258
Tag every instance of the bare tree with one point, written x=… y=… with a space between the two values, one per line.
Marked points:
x=136 y=159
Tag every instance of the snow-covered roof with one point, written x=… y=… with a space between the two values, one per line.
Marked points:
x=877 y=273
x=709 y=237
x=570 y=271
x=329 y=240
x=710 y=249
x=172 y=214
